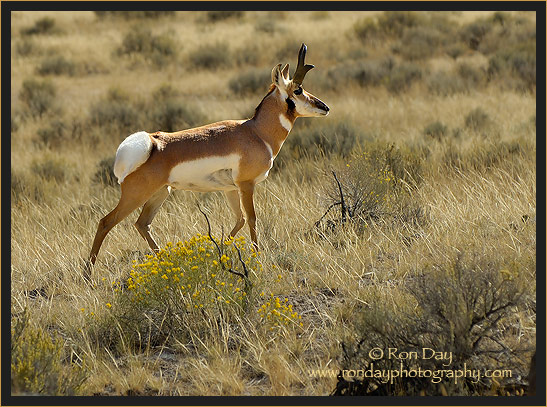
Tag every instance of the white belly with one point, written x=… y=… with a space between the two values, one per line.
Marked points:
x=206 y=174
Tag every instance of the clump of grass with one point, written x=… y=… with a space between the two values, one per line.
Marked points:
x=156 y=48
x=212 y=56
x=38 y=96
x=454 y=306
x=42 y=26
x=250 y=81
x=56 y=65
x=37 y=365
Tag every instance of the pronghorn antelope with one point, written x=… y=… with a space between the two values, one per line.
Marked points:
x=230 y=156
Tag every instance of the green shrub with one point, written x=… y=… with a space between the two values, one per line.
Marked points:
x=250 y=82
x=37 y=365
x=54 y=135
x=26 y=48
x=394 y=23
x=287 y=51
x=395 y=77
x=320 y=15
x=366 y=29
x=477 y=119
x=105 y=172
x=419 y=43
x=515 y=61
x=56 y=65
x=24 y=188
x=436 y=130
x=216 y=16
x=267 y=25
x=168 y=112
x=248 y=54
x=456 y=50
x=463 y=307
x=38 y=97
x=445 y=84
x=116 y=112
x=170 y=115
x=373 y=187
x=472 y=77
x=212 y=57
x=42 y=26
x=338 y=138
x=159 y=49
x=473 y=33
x=402 y=77
x=50 y=168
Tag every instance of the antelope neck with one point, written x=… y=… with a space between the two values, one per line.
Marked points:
x=273 y=120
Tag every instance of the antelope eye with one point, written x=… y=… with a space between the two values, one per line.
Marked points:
x=298 y=91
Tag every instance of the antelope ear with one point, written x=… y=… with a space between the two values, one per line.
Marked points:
x=278 y=78
x=285 y=72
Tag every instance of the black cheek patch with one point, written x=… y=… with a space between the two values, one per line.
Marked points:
x=290 y=104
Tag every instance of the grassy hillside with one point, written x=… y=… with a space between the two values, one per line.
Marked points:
x=431 y=135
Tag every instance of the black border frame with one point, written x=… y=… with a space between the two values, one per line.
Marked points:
x=5 y=14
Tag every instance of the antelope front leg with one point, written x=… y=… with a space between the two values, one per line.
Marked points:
x=235 y=204
x=246 y=190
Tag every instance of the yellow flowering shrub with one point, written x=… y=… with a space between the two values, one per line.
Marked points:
x=193 y=275
x=276 y=312
x=188 y=284
x=39 y=362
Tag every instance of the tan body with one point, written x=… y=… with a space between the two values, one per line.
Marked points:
x=230 y=156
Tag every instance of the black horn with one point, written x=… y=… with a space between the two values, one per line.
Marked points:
x=302 y=69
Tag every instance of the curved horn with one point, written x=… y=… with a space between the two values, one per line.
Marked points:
x=302 y=68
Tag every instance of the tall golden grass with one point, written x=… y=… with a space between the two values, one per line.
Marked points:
x=476 y=192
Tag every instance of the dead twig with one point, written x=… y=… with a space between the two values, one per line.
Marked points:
x=245 y=274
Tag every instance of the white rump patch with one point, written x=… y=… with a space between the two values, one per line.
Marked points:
x=206 y=174
x=131 y=154
x=285 y=122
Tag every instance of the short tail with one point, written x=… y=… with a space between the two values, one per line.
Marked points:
x=131 y=154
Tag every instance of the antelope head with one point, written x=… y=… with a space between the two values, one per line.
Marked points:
x=300 y=103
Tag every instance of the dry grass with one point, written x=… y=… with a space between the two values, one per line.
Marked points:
x=483 y=202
